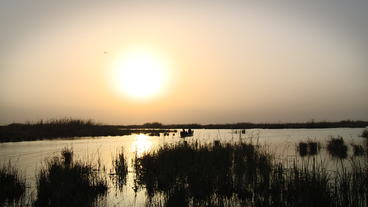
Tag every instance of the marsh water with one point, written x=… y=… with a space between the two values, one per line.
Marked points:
x=29 y=157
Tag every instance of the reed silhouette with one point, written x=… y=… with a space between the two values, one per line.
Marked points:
x=64 y=182
x=120 y=170
x=337 y=147
x=13 y=185
x=242 y=174
x=358 y=150
x=308 y=148
x=365 y=133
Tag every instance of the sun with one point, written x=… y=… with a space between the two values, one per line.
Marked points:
x=140 y=74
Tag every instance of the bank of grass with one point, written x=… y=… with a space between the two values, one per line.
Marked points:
x=65 y=182
x=12 y=185
x=65 y=128
x=312 y=124
x=56 y=128
x=242 y=174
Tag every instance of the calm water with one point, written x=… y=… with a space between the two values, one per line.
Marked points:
x=28 y=156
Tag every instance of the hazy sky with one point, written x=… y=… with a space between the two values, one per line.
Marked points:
x=221 y=61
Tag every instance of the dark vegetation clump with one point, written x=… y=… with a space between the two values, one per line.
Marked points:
x=308 y=148
x=57 y=128
x=64 y=182
x=358 y=150
x=337 y=147
x=352 y=186
x=239 y=174
x=67 y=156
x=303 y=149
x=313 y=148
x=312 y=124
x=365 y=133
x=12 y=185
x=67 y=128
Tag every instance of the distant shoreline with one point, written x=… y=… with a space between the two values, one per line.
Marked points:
x=248 y=125
x=74 y=128
x=65 y=129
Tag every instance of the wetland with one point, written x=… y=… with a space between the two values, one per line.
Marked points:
x=214 y=167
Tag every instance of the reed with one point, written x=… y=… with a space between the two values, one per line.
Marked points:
x=309 y=148
x=351 y=187
x=242 y=174
x=337 y=147
x=120 y=167
x=66 y=128
x=13 y=185
x=303 y=149
x=358 y=149
x=57 y=128
x=64 y=182
x=365 y=133
x=247 y=125
x=313 y=147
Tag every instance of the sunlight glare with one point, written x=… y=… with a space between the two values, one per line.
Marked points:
x=142 y=145
x=141 y=74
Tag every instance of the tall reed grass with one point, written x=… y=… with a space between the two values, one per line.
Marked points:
x=337 y=147
x=365 y=133
x=242 y=174
x=57 y=128
x=308 y=148
x=64 y=182
x=120 y=167
x=13 y=185
x=66 y=128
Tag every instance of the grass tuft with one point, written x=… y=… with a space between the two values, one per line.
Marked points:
x=63 y=182
x=365 y=133
x=308 y=148
x=358 y=150
x=13 y=185
x=121 y=170
x=337 y=147
x=303 y=149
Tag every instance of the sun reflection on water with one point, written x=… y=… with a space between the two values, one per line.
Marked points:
x=141 y=145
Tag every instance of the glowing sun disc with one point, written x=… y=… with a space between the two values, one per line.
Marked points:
x=141 y=75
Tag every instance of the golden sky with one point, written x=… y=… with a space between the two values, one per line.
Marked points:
x=215 y=61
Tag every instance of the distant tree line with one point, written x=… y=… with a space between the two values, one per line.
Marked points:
x=248 y=125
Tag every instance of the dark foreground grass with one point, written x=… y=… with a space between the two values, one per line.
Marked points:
x=241 y=174
x=64 y=182
x=12 y=185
